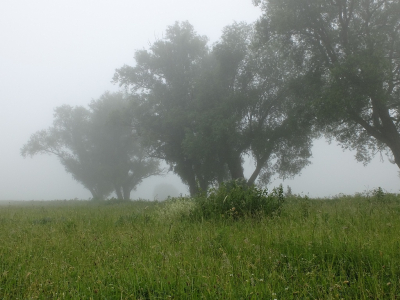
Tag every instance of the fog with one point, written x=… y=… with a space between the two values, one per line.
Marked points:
x=66 y=52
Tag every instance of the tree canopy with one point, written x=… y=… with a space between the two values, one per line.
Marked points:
x=263 y=91
x=97 y=146
x=162 y=84
x=203 y=109
x=348 y=58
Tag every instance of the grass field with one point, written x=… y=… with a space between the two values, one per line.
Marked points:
x=343 y=248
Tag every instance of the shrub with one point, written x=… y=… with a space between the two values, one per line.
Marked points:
x=235 y=199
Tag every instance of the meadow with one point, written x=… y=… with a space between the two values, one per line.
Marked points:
x=341 y=248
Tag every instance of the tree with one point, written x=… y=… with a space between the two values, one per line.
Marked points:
x=120 y=150
x=162 y=84
x=244 y=108
x=97 y=146
x=203 y=111
x=348 y=58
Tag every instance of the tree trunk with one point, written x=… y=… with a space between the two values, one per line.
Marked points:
x=259 y=166
x=255 y=174
x=193 y=190
x=127 y=192
x=95 y=196
x=384 y=130
x=203 y=185
x=235 y=166
x=185 y=171
x=393 y=142
x=389 y=131
x=118 y=192
x=191 y=182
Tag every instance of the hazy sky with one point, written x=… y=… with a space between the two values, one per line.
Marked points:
x=58 y=52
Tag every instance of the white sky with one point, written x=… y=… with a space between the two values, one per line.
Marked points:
x=55 y=52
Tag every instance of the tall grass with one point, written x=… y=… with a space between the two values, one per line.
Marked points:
x=344 y=248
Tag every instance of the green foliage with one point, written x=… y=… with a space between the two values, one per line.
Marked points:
x=235 y=199
x=162 y=84
x=203 y=109
x=346 y=66
x=96 y=146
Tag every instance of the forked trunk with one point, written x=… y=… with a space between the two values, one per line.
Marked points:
x=126 y=192
x=118 y=192
x=235 y=167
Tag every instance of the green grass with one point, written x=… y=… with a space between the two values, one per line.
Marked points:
x=344 y=248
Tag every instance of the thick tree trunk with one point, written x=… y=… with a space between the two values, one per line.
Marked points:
x=95 y=196
x=185 y=171
x=260 y=164
x=126 y=192
x=190 y=179
x=383 y=129
x=255 y=174
x=389 y=131
x=235 y=166
x=203 y=185
x=118 y=192
x=193 y=189
x=396 y=154
x=393 y=142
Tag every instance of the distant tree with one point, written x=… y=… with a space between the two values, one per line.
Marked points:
x=347 y=54
x=162 y=83
x=244 y=108
x=203 y=110
x=120 y=149
x=97 y=146
x=215 y=138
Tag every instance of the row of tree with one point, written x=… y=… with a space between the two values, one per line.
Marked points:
x=264 y=90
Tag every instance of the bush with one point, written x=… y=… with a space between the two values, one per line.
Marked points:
x=235 y=199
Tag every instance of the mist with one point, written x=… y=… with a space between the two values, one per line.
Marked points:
x=55 y=53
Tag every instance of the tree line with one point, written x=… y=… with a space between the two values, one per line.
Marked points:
x=264 y=90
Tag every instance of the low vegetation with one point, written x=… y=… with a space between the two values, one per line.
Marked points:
x=341 y=248
x=236 y=199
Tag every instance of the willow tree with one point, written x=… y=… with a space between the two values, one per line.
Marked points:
x=203 y=110
x=348 y=58
x=244 y=108
x=162 y=84
x=96 y=146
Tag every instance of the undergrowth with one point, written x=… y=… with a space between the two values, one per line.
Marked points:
x=235 y=200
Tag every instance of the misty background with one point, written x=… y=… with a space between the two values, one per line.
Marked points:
x=66 y=52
